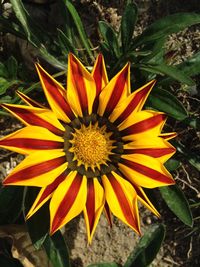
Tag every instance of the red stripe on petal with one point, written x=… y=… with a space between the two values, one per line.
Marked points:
x=97 y=75
x=52 y=187
x=153 y=152
x=139 y=96
x=32 y=119
x=35 y=170
x=168 y=136
x=29 y=143
x=66 y=203
x=90 y=204
x=79 y=84
x=123 y=202
x=144 y=125
x=144 y=170
x=117 y=92
x=29 y=100
x=108 y=213
x=53 y=90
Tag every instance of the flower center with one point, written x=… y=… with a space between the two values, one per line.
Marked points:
x=91 y=146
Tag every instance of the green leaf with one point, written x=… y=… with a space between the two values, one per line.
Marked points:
x=105 y=264
x=77 y=21
x=57 y=250
x=38 y=227
x=12 y=67
x=129 y=19
x=194 y=159
x=5 y=84
x=109 y=37
x=171 y=71
x=8 y=26
x=165 y=26
x=165 y=101
x=172 y=164
x=147 y=248
x=65 y=43
x=26 y=22
x=10 y=203
x=177 y=202
x=193 y=122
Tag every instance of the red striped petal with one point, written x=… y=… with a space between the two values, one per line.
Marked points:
x=153 y=152
x=28 y=100
x=52 y=187
x=78 y=82
x=54 y=91
x=90 y=203
x=29 y=143
x=124 y=204
x=135 y=102
x=144 y=125
x=144 y=170
x=117 y=91
x=108 y=214
x=35 y=170
x=168 y=136
x=66 y=203
x=32 y=119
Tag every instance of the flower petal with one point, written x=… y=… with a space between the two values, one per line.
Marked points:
x=108 y=214
x=115 y=92
x=143 y=122
x=132 y=104
x=31 y=138
x=46 y=193
x=145 y=171
x=68 y=200
x=36 y=116
x=81 y=88
x=155 y=147
x=122 y=199
x=168 y=136
x=29 y=101
x=38 y=169
x=94 y=206
x=142 y=197
x=101 y=79
x=56 y=95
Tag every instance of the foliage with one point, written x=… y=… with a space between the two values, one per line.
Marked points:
x=147 y=55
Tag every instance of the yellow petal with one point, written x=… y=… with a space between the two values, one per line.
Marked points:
x=145 y=171
x=56 y=95
x=122 y=199
x=115 y=92
x=38 y=169
x=68 y=200
x=30 y=139
x=81 y=88
x=94 y=206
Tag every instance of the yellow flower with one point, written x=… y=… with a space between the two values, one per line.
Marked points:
x=93 y=149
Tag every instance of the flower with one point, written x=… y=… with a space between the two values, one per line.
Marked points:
x=92 y=149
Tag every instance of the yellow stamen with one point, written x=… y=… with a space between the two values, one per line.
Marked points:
x=91 y=146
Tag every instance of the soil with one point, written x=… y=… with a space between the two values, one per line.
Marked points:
x=181 y=245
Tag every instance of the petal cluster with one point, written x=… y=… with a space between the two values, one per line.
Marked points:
x=139 y=156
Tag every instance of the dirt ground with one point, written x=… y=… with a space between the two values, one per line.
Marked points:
x=181 y=246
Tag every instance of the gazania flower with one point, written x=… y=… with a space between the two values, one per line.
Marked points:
x=93 y=149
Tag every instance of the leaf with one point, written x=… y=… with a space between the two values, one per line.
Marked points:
x=105 y=264
x=25 y=20
x=10 y=203
x=57 y=250
x=172 y=164
x=147 y=248
x=194 y=159
x=65 y=43
x=77 y=21
x=129 y=19
x=165 y=26
x=38 y=227
x=193 y=122
x=177 y=202
x=5 y=84
x=12 y=67
x=109 y=37
x=8 y=26
x=171 y=71
x=165 y=101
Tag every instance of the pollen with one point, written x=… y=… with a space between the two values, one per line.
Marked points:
x=91 y=146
